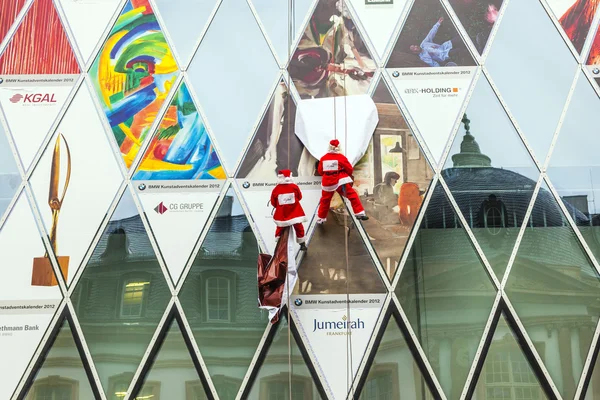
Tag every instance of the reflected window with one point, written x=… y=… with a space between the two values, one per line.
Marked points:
x=218 y=296
x=277 y=387
x=54 y=388
x=135 y=292
x=382 y=383
x=414 y=153
x=493 y=215
x=508 y=376
x=119 y=384
x=227 y=388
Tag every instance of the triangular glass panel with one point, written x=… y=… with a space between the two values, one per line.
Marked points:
x=29 y=52
x=120 y=297
x=516 y=71
x=62 y=374
x=379 y=18
x=10 y=11
x=273 y=379
x=244 y=91
x=422 y=92
x=394 y=369
x=441 y=277
x=185 y=20
x=429 y=38
x=328 y=269
x=574 y=169
x=478 y=19
x=172 y=370
x=273 y=148
x=181 y=148
x=88 y=21
x=219 y=297
x=575 y=18
x=552 y=280
x=506 y=372
x=594 y=56
x=327 y=54
x=133 y=75
x=391 y=179
x=29 y=293
x=592 y=391
x=89 y=178
x=274 y=17
x=490 y=175
x=10 y=178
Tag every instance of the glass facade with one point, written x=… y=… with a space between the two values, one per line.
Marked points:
x=140 y=141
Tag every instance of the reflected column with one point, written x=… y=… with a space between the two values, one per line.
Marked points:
x=445 y=350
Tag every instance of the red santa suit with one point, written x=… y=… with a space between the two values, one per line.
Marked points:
x=286 y=197
x=337 y=171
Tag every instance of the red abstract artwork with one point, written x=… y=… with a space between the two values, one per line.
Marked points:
x=9 y=13
x=40 y=45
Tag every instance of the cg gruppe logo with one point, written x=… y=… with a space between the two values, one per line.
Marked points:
x=161 y=209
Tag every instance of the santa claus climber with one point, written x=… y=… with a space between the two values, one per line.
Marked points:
x=336 y=172
x=286 y=197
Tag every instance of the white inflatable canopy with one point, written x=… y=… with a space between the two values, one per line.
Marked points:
x=316 y=126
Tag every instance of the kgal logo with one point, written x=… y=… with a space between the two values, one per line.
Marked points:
x=338 y=327
x=34 y=98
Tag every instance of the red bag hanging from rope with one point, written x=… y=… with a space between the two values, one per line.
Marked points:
x=272 y=271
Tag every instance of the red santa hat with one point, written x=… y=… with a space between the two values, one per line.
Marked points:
x=334 y=145
x=285 y=175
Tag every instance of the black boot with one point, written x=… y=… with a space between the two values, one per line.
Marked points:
x=362 y=217
x=303 y=246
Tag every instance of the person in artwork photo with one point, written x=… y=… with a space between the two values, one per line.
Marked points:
x=438 y=55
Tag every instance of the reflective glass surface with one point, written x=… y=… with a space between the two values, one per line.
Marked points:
x=391 y=179
x=273 y=379
x=574 y=168
x=120 y=298
x=446 y=293
x=62 y=375
x=490 y=175
x=219 y=297
x=506 y=373
x=593 y=389
x=9 y=174
x=172 y=374
x=554 y=289
x=394 y=370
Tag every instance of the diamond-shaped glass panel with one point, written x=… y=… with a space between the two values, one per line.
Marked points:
x=575 y=18
x=220 y=293
x=84 y=182
x=553 y=287
x=429 y=38
x=522 y=75
x=88 y=20
x=62 y=374
x=133 y=75
x=490 y=175
x=233 y=95
x=273 y=379
x=478 y=18
x=592 y=392
x=574 y=168
x=29 y=293
x=10 y=11
x=172 y=371
x=443 y=276
x=121 y=297
x=10 y=178
x=29 y=52
x=506 y=372
x=275 y=17
x=185 y=20
x=332 y=58
x=394 y=370
x=391 y=179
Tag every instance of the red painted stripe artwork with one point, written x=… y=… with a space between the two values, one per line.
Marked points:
x=10 y=10
x=40 y=45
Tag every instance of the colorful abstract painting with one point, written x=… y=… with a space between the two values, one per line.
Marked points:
x=132 y=76
x=40 y=45
x=181 y=148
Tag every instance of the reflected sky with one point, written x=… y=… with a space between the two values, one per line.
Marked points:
x=533 y=69
x=7 y=161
